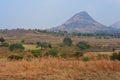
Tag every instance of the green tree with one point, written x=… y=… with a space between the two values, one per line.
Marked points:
x=16 y=46
x=83 y=45
x=67 y=41
x=2 y=40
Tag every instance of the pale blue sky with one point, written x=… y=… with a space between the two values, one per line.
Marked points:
x=51 y=13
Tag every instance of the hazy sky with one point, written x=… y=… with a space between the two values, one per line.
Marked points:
x=51 y=13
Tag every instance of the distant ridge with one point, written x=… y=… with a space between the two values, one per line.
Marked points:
x=116 y=25
x=81 y=22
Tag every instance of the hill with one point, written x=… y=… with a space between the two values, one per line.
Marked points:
x=116 y=25
x=82 y=23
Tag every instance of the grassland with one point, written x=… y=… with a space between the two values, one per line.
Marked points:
x=30 y=47
x=98 y=67
x=59 y=69
x=30 y=36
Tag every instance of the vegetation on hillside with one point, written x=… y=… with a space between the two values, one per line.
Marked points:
x=16 y=46
x=67 y=41
x=36 y=53
x=70 y=58
x=83 y=45
x=2 y=40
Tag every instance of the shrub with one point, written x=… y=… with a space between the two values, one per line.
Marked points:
x=64 y=55
x=29 y=57
x=15 y=57
x=83 y=45
x=85 y=59
x=53 y=52
x=44 y=45
x=67 y=41
x=99 y=56
x=22 y=41
x=2 y=40
x=16 y=46
x=78 y=54
x=4 y=44
x=119 y=56
x=47 y=54
x=36 y=53
x=115 y=56
x=61 y=45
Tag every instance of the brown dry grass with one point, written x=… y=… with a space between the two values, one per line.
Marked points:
x=33 y=36
x=58 y=69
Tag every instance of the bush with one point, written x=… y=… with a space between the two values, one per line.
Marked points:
x=22 y=41
x=78 y=54
x=67 y=41
x=61 y=45
x=53 y=52
x=16 y=46
x=44 y=45
x=119 y=56
x=15 y=57
x=85 y=59
x=115 y=56
x=36 y=53
x=29 y=57
x=64 y=55
x=99 y=56
x=4 y=44
x=83 y=45
x=2 y=40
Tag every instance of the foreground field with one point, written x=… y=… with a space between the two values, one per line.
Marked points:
x=59 y=69
x=95 y=63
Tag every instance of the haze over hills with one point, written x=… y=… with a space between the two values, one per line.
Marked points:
x=116 y=25
x=82 y=23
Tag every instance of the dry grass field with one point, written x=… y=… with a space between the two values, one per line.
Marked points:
x=50 y=68
x=30 y=47
x=59 y=69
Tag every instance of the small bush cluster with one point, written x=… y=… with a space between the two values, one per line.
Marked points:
x=83 y=45
x=15 y=57
x=43 y=45
x=16 y=46
x=28 y=57
x=85 y=59
x=64 y=55
x=67 y=41
x=22 y=41
x=78 y=54
x=115 y=56
x=36 y=53
x=52 y=52
x=4 y=44
x=2 y=40
x=105 y=56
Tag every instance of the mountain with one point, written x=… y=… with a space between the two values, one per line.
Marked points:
x=81 y=23
x=116 y=25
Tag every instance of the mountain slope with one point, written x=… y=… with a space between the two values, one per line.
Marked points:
x=116 y=25
x=82 y=22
